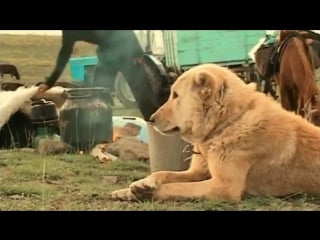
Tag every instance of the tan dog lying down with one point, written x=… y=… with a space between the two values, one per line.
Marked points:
x=248 y=144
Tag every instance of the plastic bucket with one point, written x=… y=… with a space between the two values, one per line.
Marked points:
x=166 y=152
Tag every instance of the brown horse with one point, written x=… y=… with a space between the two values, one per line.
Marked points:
x=296 y=77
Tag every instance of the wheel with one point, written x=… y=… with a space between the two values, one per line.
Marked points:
x=159 y=87
x=124 y=93
x=160 y=84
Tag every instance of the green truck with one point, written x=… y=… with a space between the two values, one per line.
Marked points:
x=179 y=50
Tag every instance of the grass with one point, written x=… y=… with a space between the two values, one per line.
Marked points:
x=77 y=182
x=35 y=55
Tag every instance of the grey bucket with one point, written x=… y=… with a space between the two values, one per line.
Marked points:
x=166 y=152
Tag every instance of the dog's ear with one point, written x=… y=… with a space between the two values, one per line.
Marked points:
x=208 y=86
x=221 y=92
x=200 y=79
x=203 y=83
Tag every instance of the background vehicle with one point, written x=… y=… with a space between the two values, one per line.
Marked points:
x=179 y=50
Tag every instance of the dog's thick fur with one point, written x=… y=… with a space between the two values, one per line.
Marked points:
x=248 y=143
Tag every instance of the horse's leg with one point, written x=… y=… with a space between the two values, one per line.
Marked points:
x=285 y=98
x=295 y=102
x=283 y=81
x=271 y=90
x=290 y=97
x=266 y=89
x=287 y=83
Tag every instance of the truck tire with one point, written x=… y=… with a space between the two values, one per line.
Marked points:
x=124 y=93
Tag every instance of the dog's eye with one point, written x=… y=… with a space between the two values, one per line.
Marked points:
x=174 y=95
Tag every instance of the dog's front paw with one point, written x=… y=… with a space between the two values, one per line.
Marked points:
x=144 y=188
x=123 y=195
